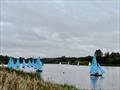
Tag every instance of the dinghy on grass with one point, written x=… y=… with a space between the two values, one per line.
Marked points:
x=24 y=64
x=29 y=64
x=96 y=69
x=17 y=65
x=32 y=63
x=38 y=65
x=10 y=63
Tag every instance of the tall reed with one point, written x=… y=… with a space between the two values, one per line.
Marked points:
x=18 y=80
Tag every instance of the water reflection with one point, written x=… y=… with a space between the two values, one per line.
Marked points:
x=95 y=81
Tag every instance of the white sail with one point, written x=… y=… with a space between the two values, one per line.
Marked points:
x=68 y=63
x=89 y=64
x=78 y=63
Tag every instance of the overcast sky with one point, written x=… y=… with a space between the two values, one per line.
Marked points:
x=51 y=28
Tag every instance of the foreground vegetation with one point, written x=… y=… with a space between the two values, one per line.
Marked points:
x=18 y=80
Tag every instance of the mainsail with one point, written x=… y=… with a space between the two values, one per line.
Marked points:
x=17 y=65
x=38 y=64
x=29 y=63
x=11 y=63
x=94 y=68
x=32 y=63
x=24 y=64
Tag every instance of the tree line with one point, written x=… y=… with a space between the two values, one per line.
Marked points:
x=110 y=59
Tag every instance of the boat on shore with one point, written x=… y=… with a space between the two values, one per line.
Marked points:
x=38 y=65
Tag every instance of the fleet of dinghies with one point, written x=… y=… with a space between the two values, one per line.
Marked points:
x=95 y=68
x=36 y=64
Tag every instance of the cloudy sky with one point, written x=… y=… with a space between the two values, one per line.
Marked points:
x=51 y=28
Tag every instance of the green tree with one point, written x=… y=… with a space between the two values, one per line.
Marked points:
x=99 y=55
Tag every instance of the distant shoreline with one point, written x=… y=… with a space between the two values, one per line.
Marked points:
x=87 y=65
x=108 y=59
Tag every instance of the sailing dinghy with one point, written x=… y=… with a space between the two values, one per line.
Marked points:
x=96 y=69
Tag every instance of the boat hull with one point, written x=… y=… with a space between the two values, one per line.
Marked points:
x=96 y=75
x=38 y=70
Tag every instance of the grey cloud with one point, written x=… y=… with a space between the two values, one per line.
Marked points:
x=56 y=28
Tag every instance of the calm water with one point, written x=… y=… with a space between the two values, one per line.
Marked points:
x=79 y=76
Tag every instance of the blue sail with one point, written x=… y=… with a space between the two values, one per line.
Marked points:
x=32 y=63
x=38 y=64
x=17 y=65
x=10 y=63
x=94 y=68
x=29 y=63
x=24 y=64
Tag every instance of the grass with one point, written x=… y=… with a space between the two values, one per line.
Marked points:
x=18 y=80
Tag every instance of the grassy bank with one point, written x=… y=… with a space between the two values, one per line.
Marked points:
x=18 y=80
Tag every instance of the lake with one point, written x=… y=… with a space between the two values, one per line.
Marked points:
x=79 y=76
